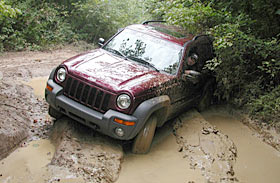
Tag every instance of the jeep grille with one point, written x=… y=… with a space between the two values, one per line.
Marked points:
x=83 y=93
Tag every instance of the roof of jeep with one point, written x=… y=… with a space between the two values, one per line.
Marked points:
x=163 y=31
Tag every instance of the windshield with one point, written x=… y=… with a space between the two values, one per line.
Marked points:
x=154 y=52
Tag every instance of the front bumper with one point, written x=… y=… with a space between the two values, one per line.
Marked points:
x=87 y=116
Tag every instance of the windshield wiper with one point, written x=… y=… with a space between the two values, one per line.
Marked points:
x=143 y=62
x=116 y=52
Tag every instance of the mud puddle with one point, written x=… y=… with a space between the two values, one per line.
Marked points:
x=26 y=164
x=256 y=161
x=38 y=84
x=32 y=164
x=163 y=164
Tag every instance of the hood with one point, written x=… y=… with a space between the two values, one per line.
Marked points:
x=114 y=73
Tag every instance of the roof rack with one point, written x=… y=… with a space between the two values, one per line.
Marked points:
x=150 y=21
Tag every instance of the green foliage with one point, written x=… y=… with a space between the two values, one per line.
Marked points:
x=193 y=16
x=243 y=59
x=102 y=18
x=7 y=11
x=266 y=107
x=40 y=24
x=264 y=14
x=49 y=22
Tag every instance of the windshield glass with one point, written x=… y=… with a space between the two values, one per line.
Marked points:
x=157 y=53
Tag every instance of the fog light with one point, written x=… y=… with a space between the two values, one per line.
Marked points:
x=119 y=132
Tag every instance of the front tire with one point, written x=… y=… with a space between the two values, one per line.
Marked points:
x=142 y=142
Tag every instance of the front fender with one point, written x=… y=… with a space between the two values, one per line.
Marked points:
x=158 y=106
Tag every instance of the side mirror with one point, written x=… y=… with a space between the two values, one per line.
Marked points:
x=101 y=41
x=191 y=75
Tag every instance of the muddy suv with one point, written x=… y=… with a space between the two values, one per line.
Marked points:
x=135 y=82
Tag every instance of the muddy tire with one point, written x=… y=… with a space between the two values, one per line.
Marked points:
x=54 y=113
x=142 y=142
x=206 y=98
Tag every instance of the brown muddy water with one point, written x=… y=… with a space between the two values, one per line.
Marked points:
x=31 y=164
x=38 y=84
x=27 y=164
x=256 y=162
x=163 y=164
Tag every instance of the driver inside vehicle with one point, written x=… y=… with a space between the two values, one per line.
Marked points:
x=192 y=65
x=200 y=50
x=192 y=69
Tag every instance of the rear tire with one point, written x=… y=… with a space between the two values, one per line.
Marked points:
x=54 y=113
x=206 y=98
x=142 y=142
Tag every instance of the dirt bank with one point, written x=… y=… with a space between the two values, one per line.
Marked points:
x=22 y=114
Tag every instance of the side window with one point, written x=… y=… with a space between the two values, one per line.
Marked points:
x=203 y=48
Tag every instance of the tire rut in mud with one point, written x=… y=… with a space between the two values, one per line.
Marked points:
x=205 y=147
x=86 y=153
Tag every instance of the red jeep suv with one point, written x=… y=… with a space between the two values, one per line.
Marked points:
x=136 y=81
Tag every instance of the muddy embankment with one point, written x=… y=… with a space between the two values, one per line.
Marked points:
x=214 y=146
x=23 y=115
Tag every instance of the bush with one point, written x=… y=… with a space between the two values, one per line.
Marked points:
x=40 y=24
x=266 y=107
x=245 y=66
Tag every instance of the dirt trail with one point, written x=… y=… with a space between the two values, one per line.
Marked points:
x=208 y=147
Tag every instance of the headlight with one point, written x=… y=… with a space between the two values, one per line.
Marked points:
x=123 y=101
x=61 y=74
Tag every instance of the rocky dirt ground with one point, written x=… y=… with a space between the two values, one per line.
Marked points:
x=214 y=146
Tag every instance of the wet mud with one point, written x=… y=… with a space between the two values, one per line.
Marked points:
x=38 y=86
x=23 y=116
x=206 y=148
x=20 y=113
x=86 y=153
x=163 y=164
x=256 y=161
x=27 y=164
